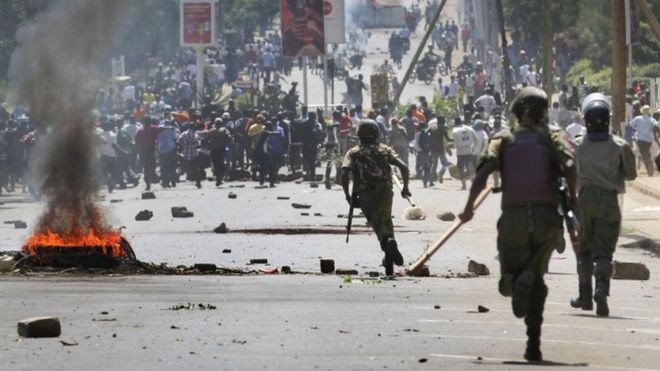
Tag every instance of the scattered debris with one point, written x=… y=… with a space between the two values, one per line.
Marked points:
x=423 y=360
x=144 y=215
x=40 y=327
x=373 y=274
x=258 y=261
x=304 y=214
x=192 y=306
x=447 y=217
x=436 y=307
x=226 y=251
x=6 y=263
x=285 y=269
x=327 y=266
x=18 y=224
x=205 y=267
x=237 y=186
x=414 y=213
x=410 y=330
x=300 y=206
x=422 y=271
x=241 y=342
x=346 y=272
x=181 y=212
x=116 y=201
x=105 y=319
x=630 y=271
x=148 y=196
x=222 y=228
x=344 y=332
x=174 y=327
x=460 y=275
x=313 y=185
x=482 y=309
x=478 y=268
x=232 y=195
x=283 y=198
x=71 y=343
x=318 y=214
x=269 y=271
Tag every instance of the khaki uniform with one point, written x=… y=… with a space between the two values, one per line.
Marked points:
x=528 y=231
x=603 y=167
x=371 y=166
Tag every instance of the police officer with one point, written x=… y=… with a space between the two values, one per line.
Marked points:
x=371 y=166
x=530 y=227
x=605 y=162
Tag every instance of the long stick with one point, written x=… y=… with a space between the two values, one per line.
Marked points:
x=421 y=47
x=438 y=244
x=398 y=184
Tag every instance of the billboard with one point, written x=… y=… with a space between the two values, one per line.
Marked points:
x=303 y=32
x=334 y=21
x=198 y=20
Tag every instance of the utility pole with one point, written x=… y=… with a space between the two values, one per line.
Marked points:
x=505 y=53
x=421 y=47
x=548 y=38
x=618 y=64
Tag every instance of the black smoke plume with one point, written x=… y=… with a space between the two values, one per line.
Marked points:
x=52 y=72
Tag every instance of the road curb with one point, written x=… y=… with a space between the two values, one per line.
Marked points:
x=647 y=190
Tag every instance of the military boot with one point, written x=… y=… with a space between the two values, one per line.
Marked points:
x=600 y=297
x=584 y=301
x=389 y=246
x=533 y=351
x=521 y=293
x=389 y=266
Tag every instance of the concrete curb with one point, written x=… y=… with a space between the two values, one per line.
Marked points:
x=645 y=189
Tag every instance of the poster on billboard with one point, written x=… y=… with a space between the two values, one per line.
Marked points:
x=334 y=21
x=198 y=23
x=303 y=32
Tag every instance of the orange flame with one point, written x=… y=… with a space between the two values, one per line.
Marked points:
x=109 y=242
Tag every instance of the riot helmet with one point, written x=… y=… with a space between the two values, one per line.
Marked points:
x=596 y=111
x=531 y=101
x=368 y=130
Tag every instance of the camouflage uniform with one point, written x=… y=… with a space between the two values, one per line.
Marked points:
x=528 y=230
x=372 y=174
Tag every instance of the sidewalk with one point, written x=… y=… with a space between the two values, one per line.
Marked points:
x=649 y=186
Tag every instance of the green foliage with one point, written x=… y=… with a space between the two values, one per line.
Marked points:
x=586 y=23
x=447 y=107
x=244 y=102
x=601 y=78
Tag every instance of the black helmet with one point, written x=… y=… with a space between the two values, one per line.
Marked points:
x=367 y=130
x=596 y=110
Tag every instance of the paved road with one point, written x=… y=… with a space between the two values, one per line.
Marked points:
x=309 y=321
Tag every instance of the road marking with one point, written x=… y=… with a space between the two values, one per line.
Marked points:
x=508 y=361
x=556 y=341
x=520 y=323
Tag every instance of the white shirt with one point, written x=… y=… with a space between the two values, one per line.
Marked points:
x=465 y=138
x=487 y=102
x=109 y=138
x=482 y=139
x=575 y=130
x=132 y=129
x=453 y=89
x=129 y=93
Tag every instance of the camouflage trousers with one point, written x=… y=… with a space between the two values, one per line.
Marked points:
x=527 y=236
x=600 y=220
x=376 y=204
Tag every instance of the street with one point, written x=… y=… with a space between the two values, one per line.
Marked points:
x=327 y=322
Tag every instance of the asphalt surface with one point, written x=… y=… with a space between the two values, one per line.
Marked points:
x=308 y=321
x=311 y=321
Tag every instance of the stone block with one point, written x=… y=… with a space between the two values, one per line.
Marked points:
x=630 y=271
x=40 y=327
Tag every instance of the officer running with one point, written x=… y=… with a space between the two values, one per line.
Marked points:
x=605 y=162
x=530 y=227
x=371 y=166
